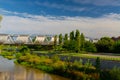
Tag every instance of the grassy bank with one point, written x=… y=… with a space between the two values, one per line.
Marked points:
x=93 y=56
x=76 y=70
x=113 y=57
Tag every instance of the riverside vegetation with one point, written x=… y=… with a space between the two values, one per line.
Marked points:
x=76 y=70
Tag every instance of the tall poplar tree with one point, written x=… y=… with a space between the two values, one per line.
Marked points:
x=66 y=42
x=82 y=41
x=55 y=42
x=60 y=39
x=72 y=37
x=78 y=43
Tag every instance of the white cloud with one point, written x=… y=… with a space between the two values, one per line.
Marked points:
x=107 y=25
x=99 y=2
x=61 y=6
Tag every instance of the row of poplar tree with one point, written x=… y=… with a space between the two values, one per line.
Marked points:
x=74 y=42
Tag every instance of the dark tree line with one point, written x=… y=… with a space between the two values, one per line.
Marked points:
x=107 y=44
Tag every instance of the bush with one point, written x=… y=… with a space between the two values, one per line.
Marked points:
x=77 y=64
x=115 y=73
x=97 y=64
x=55 y=58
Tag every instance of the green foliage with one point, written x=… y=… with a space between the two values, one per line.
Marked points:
x=77 y=39
x=77 y=64
x=55 y=42
x=115 y=73
x=82 y=41
x=72 y=45
x=72 y=36
x=97 y=64
x=88 y=64
x=55 y=58
x=60 y=39
x=33 y=40
x=105 y=44
x=116 y=47
x=1 y=18
x=66 y=42
x=24 y=49
x=89 y=47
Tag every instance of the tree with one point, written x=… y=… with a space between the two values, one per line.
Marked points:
x=0 y=19
x=105 y=44
x=116 y=47
x=55 y=41
x=97 y=64
x=72 y=35
x=82 y=41
x=77 y=39
x=89 y=47
x=72 y=41
x=60 y=39
x=24 y=50
x=66 y=42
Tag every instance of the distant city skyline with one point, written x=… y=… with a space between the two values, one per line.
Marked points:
x=94 y=18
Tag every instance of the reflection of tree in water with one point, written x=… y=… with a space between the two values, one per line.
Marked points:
x=23 y=73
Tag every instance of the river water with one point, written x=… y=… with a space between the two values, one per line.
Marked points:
x=11 y=71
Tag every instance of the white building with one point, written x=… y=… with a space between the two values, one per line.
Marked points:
x=95 y=40
x=87 y=39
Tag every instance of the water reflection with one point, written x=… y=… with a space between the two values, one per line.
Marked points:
x=10 y=71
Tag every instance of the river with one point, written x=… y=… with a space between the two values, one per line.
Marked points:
x=11 y=71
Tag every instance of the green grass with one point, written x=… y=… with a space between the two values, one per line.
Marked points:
x=43 y=52
x=93 y=56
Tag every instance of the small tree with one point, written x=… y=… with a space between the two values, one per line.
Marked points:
x=0 y=19
x=97 y=64
x=55 y=42
x=24 y=50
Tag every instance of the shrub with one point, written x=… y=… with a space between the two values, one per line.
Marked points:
x=77 y=64
x=55 y=58
x=115 y=73
x=97 y=64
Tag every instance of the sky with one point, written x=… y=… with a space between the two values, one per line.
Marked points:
x=94 y=18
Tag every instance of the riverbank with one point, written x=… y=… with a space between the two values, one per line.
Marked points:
x=74 y=70
x=11 y=71
x=102 y=56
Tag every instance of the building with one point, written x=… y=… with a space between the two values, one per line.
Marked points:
x=91 y=40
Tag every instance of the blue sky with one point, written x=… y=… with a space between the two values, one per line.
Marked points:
x=95 y=18
x=90 y=8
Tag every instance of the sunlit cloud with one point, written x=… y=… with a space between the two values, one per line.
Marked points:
x=99 y=2
x=106 y=25
x=61 y=6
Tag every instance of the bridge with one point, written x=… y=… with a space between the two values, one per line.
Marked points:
x=26 y=39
